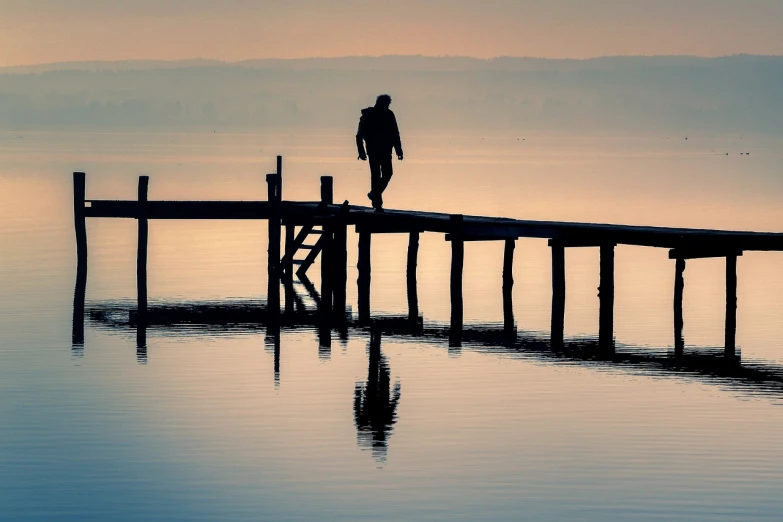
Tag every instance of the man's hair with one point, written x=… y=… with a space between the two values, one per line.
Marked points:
x=384 y=100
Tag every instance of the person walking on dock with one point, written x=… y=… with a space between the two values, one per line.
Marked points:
x=378 y=129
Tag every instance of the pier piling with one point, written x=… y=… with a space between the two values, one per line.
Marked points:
x=457 y=262
x=508 y=284
x=364 y=267
x=606 y=298
x=558 y=293
x=80 y=225
x=413 y=294
x=731 y=305
x=274 y=182
x=679 y=287
x=141 y=261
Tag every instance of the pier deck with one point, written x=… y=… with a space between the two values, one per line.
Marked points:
x=327 y=223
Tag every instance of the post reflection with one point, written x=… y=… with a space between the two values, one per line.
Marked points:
x=375 y=402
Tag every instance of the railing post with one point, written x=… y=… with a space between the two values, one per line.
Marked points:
x=457 y=262
x=273 y=251
x=141 y=262
x=327 y=190
x=80 y=226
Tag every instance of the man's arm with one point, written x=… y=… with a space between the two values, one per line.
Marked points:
x=396 y=137
x=360 y=139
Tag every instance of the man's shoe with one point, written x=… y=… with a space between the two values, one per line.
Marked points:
x=379 y=209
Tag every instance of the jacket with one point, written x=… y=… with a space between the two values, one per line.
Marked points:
x=378 y=129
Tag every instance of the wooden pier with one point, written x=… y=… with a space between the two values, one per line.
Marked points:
x=325 y=225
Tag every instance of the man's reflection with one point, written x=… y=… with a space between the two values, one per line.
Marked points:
x=375 y=402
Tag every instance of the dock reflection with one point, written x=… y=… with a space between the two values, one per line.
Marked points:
x=226 y=317
x=375 y=400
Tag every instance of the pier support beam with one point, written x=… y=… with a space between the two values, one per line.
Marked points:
x=413 y=294
x=731 y=306
x=679 y=287
x=558 y=293
x=340 y=269
x=363 y=266
x=273 y=252
x=508 y=285
x=141 y=262
x=288 y=274
x=457 y=262
x=606 y=298
x=327 y=262
x=80 y=226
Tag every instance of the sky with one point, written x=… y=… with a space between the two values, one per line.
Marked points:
x=44 y=31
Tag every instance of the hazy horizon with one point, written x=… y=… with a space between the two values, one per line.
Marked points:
x=665 y=94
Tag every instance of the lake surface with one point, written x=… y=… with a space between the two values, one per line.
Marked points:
x=199 y=426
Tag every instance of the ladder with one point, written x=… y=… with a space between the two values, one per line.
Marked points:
x=289 y=261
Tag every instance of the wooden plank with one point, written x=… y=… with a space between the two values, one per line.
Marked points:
x=697 y=252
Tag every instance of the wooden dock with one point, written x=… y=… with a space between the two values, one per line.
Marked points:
x=325 y=224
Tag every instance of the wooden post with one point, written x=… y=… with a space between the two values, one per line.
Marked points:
x=79 y=221
x=288 y=274
x=273 y=251
x=327 y=257
x=80 y=226
x=457 y=262
x=606 y=298
x=279 y=172
x=508 y=285
x=141 y=262
x=327 y=275
x=558 y=293
x=340 y=269
x=327 y=190
x=679 y=287
x=413 y=294
x=731 y=305
x=364 y=266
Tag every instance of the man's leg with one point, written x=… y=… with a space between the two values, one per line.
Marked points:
x=375 y=181
x=386 y=174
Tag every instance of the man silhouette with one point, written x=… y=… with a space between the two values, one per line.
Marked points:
x=378 y=129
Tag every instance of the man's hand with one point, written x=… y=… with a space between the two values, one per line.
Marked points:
x=362 y=157
x=399 y=157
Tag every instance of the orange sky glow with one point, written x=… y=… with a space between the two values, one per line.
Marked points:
x=42 y=31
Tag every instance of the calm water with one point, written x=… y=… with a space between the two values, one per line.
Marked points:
x=198 y=428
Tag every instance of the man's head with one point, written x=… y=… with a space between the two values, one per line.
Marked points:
x=383 y=101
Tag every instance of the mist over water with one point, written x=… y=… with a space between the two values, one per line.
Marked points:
x=199 y=429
